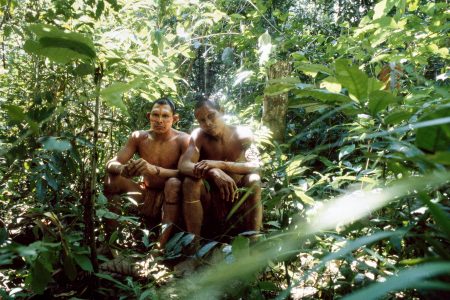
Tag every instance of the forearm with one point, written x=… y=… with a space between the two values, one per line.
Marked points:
x=187 y=168
x=167 y=173
x=240 y=167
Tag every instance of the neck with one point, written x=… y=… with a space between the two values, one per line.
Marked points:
x=162 y=136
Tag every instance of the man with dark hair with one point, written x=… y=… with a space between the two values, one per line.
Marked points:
x=159 y=148
x=219 y=159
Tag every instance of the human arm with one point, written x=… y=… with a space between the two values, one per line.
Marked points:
x=117 y=165
x=247 y=163
x=190 y=156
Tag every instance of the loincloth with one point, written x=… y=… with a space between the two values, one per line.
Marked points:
x=151 y=203
x=221 y=214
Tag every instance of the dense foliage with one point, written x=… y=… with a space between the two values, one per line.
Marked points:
x=356 y=194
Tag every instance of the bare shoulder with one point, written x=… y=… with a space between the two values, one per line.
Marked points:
x=139 y=135
x=182 y=137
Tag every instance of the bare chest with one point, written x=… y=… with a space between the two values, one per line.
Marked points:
x=217 y=150
x=164 y=154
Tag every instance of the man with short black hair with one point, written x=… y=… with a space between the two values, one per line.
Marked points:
x=219 y=159
x=159 y=148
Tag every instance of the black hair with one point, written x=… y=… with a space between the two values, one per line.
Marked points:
x=164 y=101
x=211 y=101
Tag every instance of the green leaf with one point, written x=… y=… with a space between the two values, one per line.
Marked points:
x=15 y=112
x=3 y=235
x=346 y=150
x=434 y=138
x=320 y=94
x=240 y=247
x=405 y=279
x=382 y=8
x=99 y=9
x=313 y=68
x=84 y=69
x=379 y=100
x=441 y=157
x=302 y=195
x=206 y=248
x=113 y=95
x=265 y=48
x=397 y=117
x=52 y=143
x=84 y=262
x=353 y=79
x=39 y=277
x=441 y=217
x=58 y=45
x=70 y=268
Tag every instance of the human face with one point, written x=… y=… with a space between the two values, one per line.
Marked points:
x=210 y=120
x=161 y=118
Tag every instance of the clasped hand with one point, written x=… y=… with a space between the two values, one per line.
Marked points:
x=137 y=168
x=201 y=168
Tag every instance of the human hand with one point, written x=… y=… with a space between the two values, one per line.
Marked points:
x=144 y=168
x=201 y=168
x=226 y=184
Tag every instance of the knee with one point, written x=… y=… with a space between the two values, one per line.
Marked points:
x=253 y=181
x=172 y=185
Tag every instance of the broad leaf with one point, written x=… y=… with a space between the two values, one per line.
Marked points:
x=84 y=262
x=355 y=80
x=346 y=150
x=53 y=143
x=434 y=138
x=313 y=68
x=265 y=48
x=379 y=100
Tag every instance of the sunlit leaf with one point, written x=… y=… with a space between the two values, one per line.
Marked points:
x=355 y=80
x=382 y=8
x=53 y=143
x=264 y=48
x=313 y=68
x=346 y=150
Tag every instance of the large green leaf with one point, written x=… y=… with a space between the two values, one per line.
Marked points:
x=320 y=94
x=405 y=279
x=38 y=277
x=113 y=94
x=382 y=8
x=58 y=45
x=379 y=100
x=355 y=80
x=52 y=143
x=313 y=69
x=434 y=138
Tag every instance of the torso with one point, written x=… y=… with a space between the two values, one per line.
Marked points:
x=163 y=153
x=229 y=149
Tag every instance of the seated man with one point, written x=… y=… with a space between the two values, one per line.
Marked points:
x=159 y=149
x=219 y=159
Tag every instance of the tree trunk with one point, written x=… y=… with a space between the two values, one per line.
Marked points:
x=275 y=107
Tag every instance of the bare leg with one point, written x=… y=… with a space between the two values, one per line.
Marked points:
x=192 y=206
x=171 y=209
x=253 y=206
x=114 y=186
